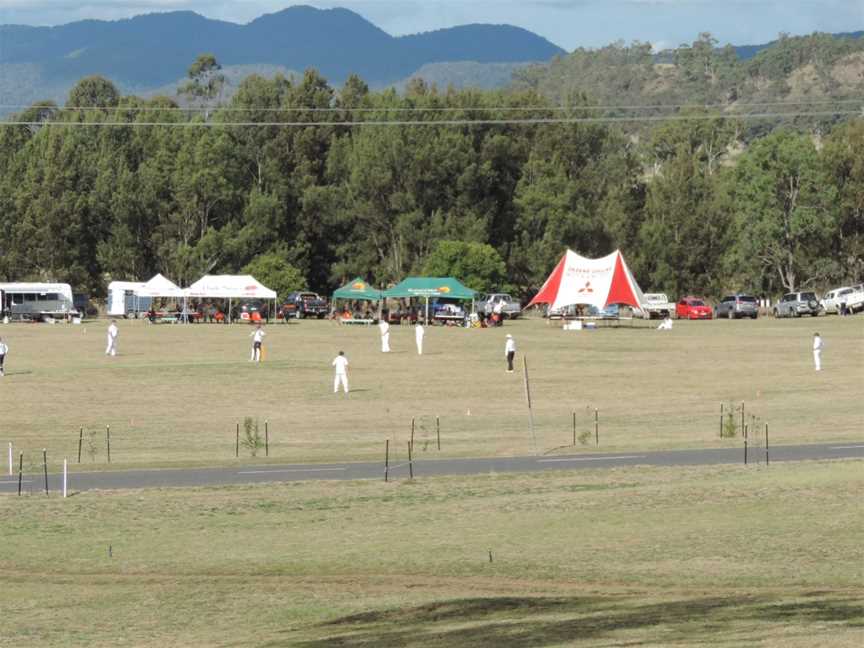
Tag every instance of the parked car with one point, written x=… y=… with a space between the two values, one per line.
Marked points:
x=737 y=305
x=509 y=307
x=855 y=299
x=657 y=305
x=693 y=308
x=833 y=298
x=797 y=304
x=304 y=304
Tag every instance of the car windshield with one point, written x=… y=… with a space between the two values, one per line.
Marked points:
x=747 y=299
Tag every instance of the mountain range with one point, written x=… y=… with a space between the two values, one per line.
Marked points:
x=150 y=54
x=152 y=50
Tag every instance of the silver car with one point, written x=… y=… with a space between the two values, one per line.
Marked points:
x=737 y=305
x=797 y=304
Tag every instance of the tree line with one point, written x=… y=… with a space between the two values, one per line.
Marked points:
x=696 y=204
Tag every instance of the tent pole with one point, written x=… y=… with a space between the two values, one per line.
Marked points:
x=426 y=318
x=229 y=310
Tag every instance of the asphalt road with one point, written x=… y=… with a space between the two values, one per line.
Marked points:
x=399 y=469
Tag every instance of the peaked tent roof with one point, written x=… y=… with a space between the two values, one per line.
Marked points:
x=234 y=286
x=597 y=282
x=430 y=287
x=159 y=286
x=358 y=289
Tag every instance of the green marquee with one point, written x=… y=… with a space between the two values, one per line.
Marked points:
x=430 y=287
x=358 y=289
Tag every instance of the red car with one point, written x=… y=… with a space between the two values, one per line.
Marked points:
x=693 y=308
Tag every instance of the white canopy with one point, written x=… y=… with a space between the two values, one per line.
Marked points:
x=598 y=282
x=231 y=287
x=159 y=286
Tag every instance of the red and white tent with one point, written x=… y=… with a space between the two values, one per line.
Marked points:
x=596 y=282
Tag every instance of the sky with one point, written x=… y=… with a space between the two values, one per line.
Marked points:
x=567 y=23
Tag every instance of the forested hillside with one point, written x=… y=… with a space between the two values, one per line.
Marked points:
x=284 y=181
x=793 y=69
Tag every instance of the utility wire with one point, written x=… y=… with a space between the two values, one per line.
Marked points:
x=442 y=122
x=228 y=109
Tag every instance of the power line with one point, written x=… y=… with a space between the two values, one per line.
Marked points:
x=332 y=109
x=443 y=122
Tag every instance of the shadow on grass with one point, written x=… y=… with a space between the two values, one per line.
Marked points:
x=505 y=622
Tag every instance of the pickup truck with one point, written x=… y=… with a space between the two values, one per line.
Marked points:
x=855 y=299
x=657 y=305
x=305 y=304
x=510 y=308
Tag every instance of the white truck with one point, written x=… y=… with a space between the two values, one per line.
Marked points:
x=855 y=299
x=657 y=305
x=505 y=304
x=123 y=302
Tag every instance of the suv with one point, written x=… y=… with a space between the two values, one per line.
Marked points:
x=737 y=305
x=797 y=304
x=302 y=304
x=833 y=298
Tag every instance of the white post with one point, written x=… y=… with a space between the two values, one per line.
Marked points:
x=10 y=457
x=426 y=318
x=64 y=477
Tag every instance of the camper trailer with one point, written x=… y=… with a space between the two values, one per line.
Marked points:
x=36 y=301
x=123 y=302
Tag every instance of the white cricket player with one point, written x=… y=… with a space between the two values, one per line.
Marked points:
x=817 y=351
x=341 y=375
x=665 y=325
x=419 y=332
x=384 y=327
x=510 y=352
x=113 y=332
x=257 y=340
x=4 y=349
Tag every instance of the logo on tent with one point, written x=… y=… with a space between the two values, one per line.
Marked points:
x=586 y=288
x=444 y=289
x=358 y=286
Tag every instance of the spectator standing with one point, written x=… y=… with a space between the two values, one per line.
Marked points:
x=510 y=352
x=113 y=332
x=340 y=362
x=817 y=351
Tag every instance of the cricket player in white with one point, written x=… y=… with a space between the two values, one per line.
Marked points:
x=510 y=352
x=257 y=340
x=384 y=327
x=817 y=351
x=419 y=332
x=4 y=349
x=113 y=332
x=341 y=364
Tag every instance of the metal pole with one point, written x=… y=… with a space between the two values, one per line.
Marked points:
x=574 y=428
x=108 y=441
x=237 y=445
x=386 y=460
x=596 y=426
x=80 y=441
x=10 y=458
x=410 y=463
x=766 y=444
x=721 y=420
x=266 y=439
x=437 y=430
x=20 y=471
x=528 y=397
x=45 y=467
x=64 y=475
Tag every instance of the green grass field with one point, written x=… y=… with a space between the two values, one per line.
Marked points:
x=731 y=555
x=175 y=393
